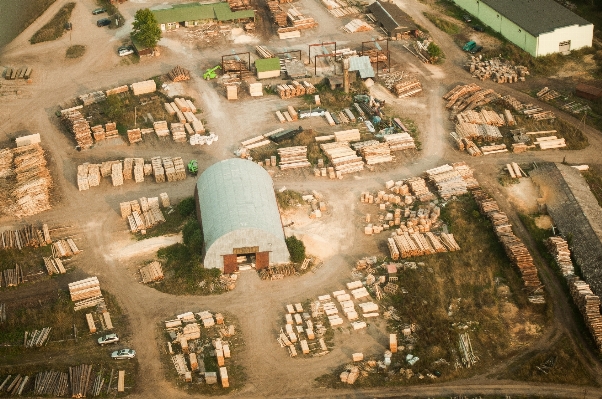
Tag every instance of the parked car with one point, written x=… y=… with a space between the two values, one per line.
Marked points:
x=123 y=354
x=103 y=22
x=98 y=11
x=68 y=26
x=469 y=45
x=108 y=339
x=478 y=28
x=125 y=50
x=476 y=49
x=466 y=18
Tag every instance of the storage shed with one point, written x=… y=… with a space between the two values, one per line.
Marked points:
x=268 y=68
x=539 y=27
x=239 y=216
x=392 y=19
x=192 y=14
x=589 y=92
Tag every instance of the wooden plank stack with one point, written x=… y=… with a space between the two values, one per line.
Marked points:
x=493 y=149
x=376 y=153
x=85 y=289
x=300 y=21
x=178 y=132
x=293 y=89
x=467 y=97
x=485 y=117
x=111 y=130
x=357 y=25
x=147 y=86
x=407 y=88
x=11 y=277
x=399 y=141
x=98 y=132
x=547 y=94
x=551 y=142
x=342 y=157
x=143 y=214
x=496 y=69
x=161 y=128
x=589 y=306
x=408 y=245
x=117 y=90
x=448 y=180
x=151 y=272
x=27 y=236
x=134 y=136
x=92 y=98
x=263 y=52
x=277 y=13
x=50 y=383
x=79 y=376
x=347 y=135
x=559 y=249
x=293 y=157
x=80 y=127
x=179 y=74
x=419 y=189
x=54 y=265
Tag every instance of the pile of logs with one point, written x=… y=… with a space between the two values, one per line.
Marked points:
x=342 y=157
x=496 y=69
x=562 y=255
x=11 y=277
x=52 y=383
x=16 y=386
x=406 y=245
x=376 y=153
x=79 y=126
x=515 y=249
x=151 y=272
x=93 y=98
x=485 y=117
x=293 y=157
x=278 y=14
x=419 y=189
x=179 y=74
x=295 y=89
x=27 y=236
x=532 y=111
x=467 y=97
x=79 y=376
x=589 y=306
x=36 y=338
x=142 y=214
x=399 y=141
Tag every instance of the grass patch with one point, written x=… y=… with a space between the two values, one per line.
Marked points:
x=288 y=199
x=29 y=259
x=75 y=51
x=55 y=27
x=559 y=364
x=448 y=27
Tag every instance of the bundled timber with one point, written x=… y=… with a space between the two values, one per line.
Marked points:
x=80 y=128
x=493 y=149
x=485 y=117
x=452 y=180
x=295 y=89
x=589 y=306
x=376 y=153
x=357 y=25
x=419 y=189
x=399 y=141
x=51 y=383
x=178 y=132
x=117 y=90
x=134 y=136
x=79 y=377
x=161 y=128
x=179 y=74
x=54 y=265
x=496 y=69
x=562 y=255
x=26 y=236
x=342 y=157
x=293 y=157
x=263 y=52
x=405 y=245
x=84 y=289
x=147 y=86
x=347 y=135
x=92 y=98
x=151 y=272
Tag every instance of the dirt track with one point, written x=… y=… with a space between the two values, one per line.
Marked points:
x=257 y=304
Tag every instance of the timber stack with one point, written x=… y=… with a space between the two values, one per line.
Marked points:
x=450 y=181
x=134 y=136
x=406 y=245
x=419 y=189
x=485 y=117
x=86 y=293
x=142 y=214
x=406 y=88
x=295 y=89
x=31 y=192
x=239 y=5
x=80 y=127
x=93 y=98
x=559 y=249
x=347 y=135
x=478 y=132
x=493 y=149
x=343 y=158
x=54 y=265
x=179 y=74
x=27 y=236
x=496 y=69
x=300 y=21
x=64 y=248
x=11 y=277
x=376 y=153
x=515 y=249
x=589 y=306
x=98 y=132
x=161 y=129
x=399 y=141
x=293 y=157
x=50 y=383
x=111 y=131
x=79 y=376
x=467 y=97
x=151 y=272
x=36 y=338
x=278 y=14
x=263 y=52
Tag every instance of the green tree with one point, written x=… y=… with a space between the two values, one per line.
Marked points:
x=435 y=52
x=296 y=248
x=146 y=29
x=113 y=107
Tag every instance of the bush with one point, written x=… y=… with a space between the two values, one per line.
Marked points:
x=75 y=51
x=186 y=206
x=436 y=53
x=55 y=27
x=192 y=235
x=113 y=107
x=296 y=248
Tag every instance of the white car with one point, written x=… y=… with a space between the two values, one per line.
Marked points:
x=124 y=354
x=108 y=339
x=125 y=50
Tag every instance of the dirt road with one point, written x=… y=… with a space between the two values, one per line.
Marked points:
x=111 y=254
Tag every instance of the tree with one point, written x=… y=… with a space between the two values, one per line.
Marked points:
x=296 y=248
x=146 y=28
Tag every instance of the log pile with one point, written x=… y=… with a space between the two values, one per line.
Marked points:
x=399 y=141
x=496 y=69
x=278 y=14
x=484 y=117
x=376 y=153
x=295 y=89
x=342 y=157
x=36 y=338
x=179 y=74
x=478 y=132
x=93 y=98
x=559 y=249
x=467 y=97
x=79 y=376
x=80 y=127
x=50 y=383
x=589 y=306
x=27 y=236
x=293 y=157
x=151 y=272
x=514 y=247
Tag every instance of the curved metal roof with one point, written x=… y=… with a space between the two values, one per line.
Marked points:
x=237 y=194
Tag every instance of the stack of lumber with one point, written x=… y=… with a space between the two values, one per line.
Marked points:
x=11 y=277
x=448 y=180
x=179 y=74
x=546 y=94
x=478 y=132
x=342 y=157
x=178 y=132
x=466 y=144
x=357 y=25
x=111 y=130
x=98 y=132
x=151 y=272
x=92 y=98
x=406 y=88
x=374 y=55
x=64 y=248
x=293 y=157
x=493 y=149
x=158 y=170
x=496 y=69
x=294 y=89
x=31 y=192
x=134 y=136
x=147 y=86
x=178 y=164
x=406 y=245
x=79 y=376
x=513 y=103
x=80 y=127
x=300 y=21
x=139 y=170
x=161 y=128
x=562 y=255
x=484 y=117
x=117 y=174
x=515 y=249
x=467 y=174
x=54 y=265
x=278 y=14
x=419 y=189
x=510 y=121
x=399 y=141
x=117 y=90
x=238 y=5
x=589 y=306
x=6 y=162
x=550 y=142
x=27 y=236
x=255 y=89
x=347 y=135
x=263 y=52
x=85 y=289
x=376 y=153
x=467 y=97
x=50 y=383
x=237 y=68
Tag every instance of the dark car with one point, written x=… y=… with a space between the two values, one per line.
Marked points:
x=103 y=22
x=478 y=28
x=98 y=11
x=476 y=49
x=466 y=18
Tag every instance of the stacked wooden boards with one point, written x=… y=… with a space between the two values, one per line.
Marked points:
x=151 y=272
x=142 y=214
x=293 y=157
x=86 y=293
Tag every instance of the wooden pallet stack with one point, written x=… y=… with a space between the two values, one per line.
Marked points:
x=98 y=132
x=179 y=74
x=419 y=189
x=134 y=136
x=151 y=272
x=161 y=128
x=158 y=171
x=376 y=153
x=80 y=127
x=170 y=170
x=559 y=248
x=293 y=157
x=399 y=141
x=342 y=157
x=79 y=377
x=589 y=306
x=50 y=383
x=407 y=88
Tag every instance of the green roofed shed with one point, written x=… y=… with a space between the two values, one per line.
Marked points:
x=192 y=14
x=267 y=68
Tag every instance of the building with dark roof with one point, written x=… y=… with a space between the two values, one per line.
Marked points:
x=539 y=27
x=392 y=19
x=192 y=14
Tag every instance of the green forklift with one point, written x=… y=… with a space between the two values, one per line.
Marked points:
x=193 y=167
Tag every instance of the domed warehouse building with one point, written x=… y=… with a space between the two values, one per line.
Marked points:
x=239 y=216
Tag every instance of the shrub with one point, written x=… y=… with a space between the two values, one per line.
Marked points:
x=75 y=51
x=192 y=235
x=436 y=53
x=186 y=206
x=113 y=107
x=296 y=248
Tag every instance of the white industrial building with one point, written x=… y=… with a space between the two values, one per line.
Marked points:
x=239 y=216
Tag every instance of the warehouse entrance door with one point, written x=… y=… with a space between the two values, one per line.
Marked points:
x=230 y=264
x=262 y=260
x=564 y=47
